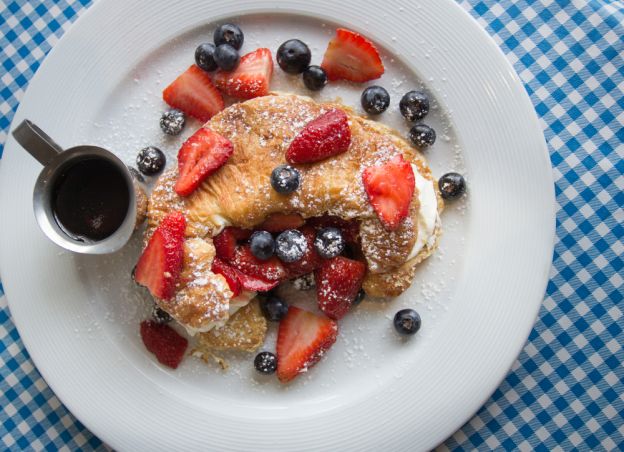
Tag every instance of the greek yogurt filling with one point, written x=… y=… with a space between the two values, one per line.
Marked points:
x=236 y=303
x=428 y=216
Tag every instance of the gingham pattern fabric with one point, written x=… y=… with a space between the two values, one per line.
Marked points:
x=566 y=390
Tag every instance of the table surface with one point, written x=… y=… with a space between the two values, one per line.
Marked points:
x=566 y=389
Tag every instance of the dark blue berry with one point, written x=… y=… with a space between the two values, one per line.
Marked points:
x=293 y=56
x=262 y=245
x=151 y=160
x=314 y=78
x=204 y=57
x=290 y=245
x=265 y=363
x=172 y=121
x=285 y=179
x=229 y=34
x=375 y=100
x=274 y=308
x=226 y=57
x=407 y=322
x=422 y=135
x=414 y=105
x=329 y=242
x=160 y=316
x=452 y=185
x=359 y=297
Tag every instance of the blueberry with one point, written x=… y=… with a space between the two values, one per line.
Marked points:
x=274 y=308
x=329 y=242
x=265 y=363
x=314 y=78
x=160 y=316
x=422 y=135
x=452 y=185
x=151 y=160
x=414 y=105
x=359 y=297
x=375 y=100
x=229 y=34
x=204 y=57
x=291 y=245
x=293 y=56
x=226 y=57
x=172 y=121
x=262 y=245
x=285 y=179
x=407 y=322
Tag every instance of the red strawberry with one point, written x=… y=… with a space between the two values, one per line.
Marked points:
x=240 y=233
x=310 y=260
x=164 y=342
x=255 y=284
x=302 y=339
x=160 y=264
x=350 y=228
x=251 y=78
x=323 y=137
x=350 y=56
x=390 y=188
x=229 y=273
x=200 y=156
x=269 y=270
x=194 y=94
x=279 y=222
x=225 y=244
x=338 y=281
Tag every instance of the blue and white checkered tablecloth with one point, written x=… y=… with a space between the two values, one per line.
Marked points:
x=566 y=390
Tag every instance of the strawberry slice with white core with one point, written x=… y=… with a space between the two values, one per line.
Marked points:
x=350 y=56
x=194 y=94
x=390 y=188
x=338 y=282
x=325 y=136
x=201 y=155
x=251 y=78
x=229 y=273
x=302 y=339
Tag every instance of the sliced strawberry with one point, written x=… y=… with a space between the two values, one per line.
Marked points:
x=225 y=244
x=229 y=273
x=194 y=94
x=325 y=136
x=251 y=78
x=350 y=228
x=160 y=264
x=164 y=342
x=279 y=222
x=200 y=156
x=338 y=281
x=269 y=270
x=390 y=188
x=302 y=339
x=256 y=284
x=310 y=261
x=240 y=233
x=350 y=56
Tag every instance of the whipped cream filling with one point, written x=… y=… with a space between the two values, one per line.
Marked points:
x=236 y=303
x=220 y=222
x=428 y=216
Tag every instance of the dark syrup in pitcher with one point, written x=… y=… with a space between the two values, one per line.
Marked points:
x=90 y=200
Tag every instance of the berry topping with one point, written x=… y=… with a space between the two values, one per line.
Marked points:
x=285 y=179
x=329 y=242
x=350 y=228
x=290 y=246
x=390 y=188
x=452 y=185
x=338 y=282
x=359 y=297
x=164 y=342
x=274 y=308
x=251 y=78
x=302 y=339
x=229 y=273
x=226 y=57
x=310 y=260
x=160 y=264
x=269 y=270
x=160 y=316
x=194 y=94
x=279 y=222
x=414 y=105
x=172 y=121
x=151 y=160
x=229 y=34
x=350 y=56
x=204 y=57
x=262 y=245
x=200 y=156
x=265 y=363
x=225 y=244
x=254 y=284
x=422 y=135
x=323 y=137
x=407 y=322
x=314 y=78
x=375 y=100
x=293 y=56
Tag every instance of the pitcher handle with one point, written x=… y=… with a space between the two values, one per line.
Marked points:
x=36 y=142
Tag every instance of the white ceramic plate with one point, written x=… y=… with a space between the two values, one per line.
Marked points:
x=78 y=316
